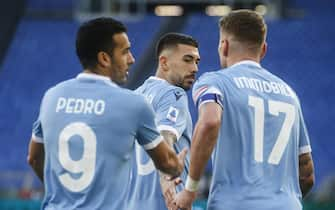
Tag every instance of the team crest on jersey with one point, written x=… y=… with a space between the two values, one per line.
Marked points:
x=172 y=114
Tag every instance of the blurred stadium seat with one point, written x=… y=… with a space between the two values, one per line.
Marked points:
x=50 y=4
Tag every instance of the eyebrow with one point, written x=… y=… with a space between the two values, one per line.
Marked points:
x=188 y=56
x=126 y=48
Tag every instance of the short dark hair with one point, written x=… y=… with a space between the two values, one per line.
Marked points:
x=246 y=26
x=94 y=36
x=172 y=40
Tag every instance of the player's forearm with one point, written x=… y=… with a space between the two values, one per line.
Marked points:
x=36 y=158
x=204 y=140
x=38 y=167
x=170 y=139
x=306 y=173
x=170 y=165
x=173 y=168
x=306 y=184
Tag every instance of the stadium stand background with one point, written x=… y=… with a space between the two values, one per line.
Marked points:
x=37 y=51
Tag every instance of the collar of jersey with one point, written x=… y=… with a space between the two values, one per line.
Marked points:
x=157 y=78
x=96 y=77
x=247 y=62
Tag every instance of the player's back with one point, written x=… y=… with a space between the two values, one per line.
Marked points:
x=255 y=162
x=171 y=108
x=89 y=127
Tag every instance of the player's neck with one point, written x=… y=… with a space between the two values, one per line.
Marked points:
x=233 y=60
x=97 y=72
x=161 y=75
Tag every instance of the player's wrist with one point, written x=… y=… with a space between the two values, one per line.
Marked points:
x=191 y=184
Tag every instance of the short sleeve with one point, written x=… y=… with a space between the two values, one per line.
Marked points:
x=171 y=112
x=37 y=130
x=304 y=142
x=205 y=91
x=147 y=134
x=37 y=133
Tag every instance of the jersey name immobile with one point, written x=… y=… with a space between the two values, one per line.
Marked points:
x=262 y=85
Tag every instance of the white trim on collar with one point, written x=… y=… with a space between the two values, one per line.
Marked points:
x=157 y=78
x=107 y=80
x=248 y=62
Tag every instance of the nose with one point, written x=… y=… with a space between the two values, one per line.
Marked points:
x=131 y=58
x=195 y=69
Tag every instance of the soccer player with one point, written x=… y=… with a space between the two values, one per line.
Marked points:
x=84 y=137
x=178 y=59
x=253 y=121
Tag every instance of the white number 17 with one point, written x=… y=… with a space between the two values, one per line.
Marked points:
x=275 y=107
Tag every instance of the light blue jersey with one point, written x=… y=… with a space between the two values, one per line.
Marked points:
x=172 y=114
x=256 y=159
x=88 y=126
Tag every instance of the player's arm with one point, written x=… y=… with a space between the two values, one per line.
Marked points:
x=166 y=160
x=169 y=137
x=204 y=139
x=306 y=173
x=36 y=158
x=171 y=116
x=169 y=186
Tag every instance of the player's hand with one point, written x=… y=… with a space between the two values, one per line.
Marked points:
x=184 y=199
x=169 y=192
x=182 y=156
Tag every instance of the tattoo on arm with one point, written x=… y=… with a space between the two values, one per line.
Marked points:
x=168 y=187
x=306 y=173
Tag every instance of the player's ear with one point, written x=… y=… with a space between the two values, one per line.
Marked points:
x=103 y=59
x=163 y=62
x=264 y=50
x=225 y=47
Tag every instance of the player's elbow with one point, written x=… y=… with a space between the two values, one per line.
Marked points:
x=211 y=123
x=166 y=160
x=31 y=160
x=310 y=181
x=210 y=126
x=34 y=160
x=307 y=182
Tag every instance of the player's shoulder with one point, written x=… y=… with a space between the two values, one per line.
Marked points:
x=209 y=75
x=59 y=86
x=173 y=93
x=131 y=95
x=209 y=78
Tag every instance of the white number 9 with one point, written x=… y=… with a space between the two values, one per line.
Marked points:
x=85 y=165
